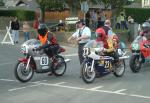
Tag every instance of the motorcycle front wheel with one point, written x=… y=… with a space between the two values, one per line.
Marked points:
x=59 y=66
x=87 y=75
x=119 y=68
x=135 y=64
x=21 y=73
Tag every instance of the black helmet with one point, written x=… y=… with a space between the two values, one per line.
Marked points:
x=145 y=26
x=42 y=29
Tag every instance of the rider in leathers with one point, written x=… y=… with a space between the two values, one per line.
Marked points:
x=49 y=42
x=109 y=47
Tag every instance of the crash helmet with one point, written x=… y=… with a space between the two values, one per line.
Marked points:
x=100 y=35
x=145 y=26
x=42 y=29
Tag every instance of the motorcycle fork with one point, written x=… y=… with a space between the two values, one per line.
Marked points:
x=92 y=66
x=29 y=59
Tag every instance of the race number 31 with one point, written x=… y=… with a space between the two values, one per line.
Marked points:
x=44 y=61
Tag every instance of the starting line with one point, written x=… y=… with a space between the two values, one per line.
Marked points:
x=93 y=89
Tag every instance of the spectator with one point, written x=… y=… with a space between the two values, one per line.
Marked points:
x=118 y=23
x=130 y=19
x=26 y=29
x=94 y=19
x=103 y=18
x=123 y=22
x=82 y=36
x=36 y=24
x=15 y=30
x=87 y=19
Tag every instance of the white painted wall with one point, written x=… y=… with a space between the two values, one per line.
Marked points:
x=146 y=3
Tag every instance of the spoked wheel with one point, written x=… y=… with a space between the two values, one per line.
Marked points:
x=59 y=66
x=87 y=75
x=21 y=73
x=135 y=63
x=119 y=68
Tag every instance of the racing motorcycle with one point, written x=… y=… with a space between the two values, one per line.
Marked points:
x=140 y=49
x=96 y=63
x=38 y=61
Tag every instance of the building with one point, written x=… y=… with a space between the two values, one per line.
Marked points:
x=145 y=3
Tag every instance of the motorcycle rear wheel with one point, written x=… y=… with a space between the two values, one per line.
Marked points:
x=87 y=75
x=21 y=73
x=59 y=66
x=135 y=64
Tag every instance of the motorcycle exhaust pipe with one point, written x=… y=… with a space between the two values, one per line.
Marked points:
x=67 y=60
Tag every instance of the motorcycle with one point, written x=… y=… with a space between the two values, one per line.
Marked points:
x=140 y=49
x=38 y=61
x=96 y=63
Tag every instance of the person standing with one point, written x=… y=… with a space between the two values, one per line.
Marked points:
x=82 y=36
x=26 y=29
x=15 y=30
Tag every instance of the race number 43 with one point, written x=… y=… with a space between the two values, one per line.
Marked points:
x=44 y=61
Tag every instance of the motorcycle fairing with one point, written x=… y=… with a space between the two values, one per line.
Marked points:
x=145 y=50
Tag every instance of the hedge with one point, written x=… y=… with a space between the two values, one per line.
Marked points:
x=139 y=15
x=21 y=14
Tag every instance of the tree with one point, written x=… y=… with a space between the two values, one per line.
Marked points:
x=113 y=3
x=49 y=5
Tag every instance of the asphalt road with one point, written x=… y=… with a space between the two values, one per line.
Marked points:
x=131 y=88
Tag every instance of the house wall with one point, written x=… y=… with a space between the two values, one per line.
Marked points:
x=146 y=3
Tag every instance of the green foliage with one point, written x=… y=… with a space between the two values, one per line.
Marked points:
x=139 y=14
x=21 y=14
x=1 y=3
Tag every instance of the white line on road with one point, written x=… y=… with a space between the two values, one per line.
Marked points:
x=140 y=96
x=119 y=91
x=14 y=89
x=95 y=88
x=101 y=91
x=60 y=83
x=8 y=80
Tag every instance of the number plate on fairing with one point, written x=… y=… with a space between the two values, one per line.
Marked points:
x=44 y=60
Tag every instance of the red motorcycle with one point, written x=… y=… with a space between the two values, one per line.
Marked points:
x=140 y=48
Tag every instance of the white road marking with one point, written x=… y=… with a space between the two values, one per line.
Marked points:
x=140 y=96
x=119 y=91
x=14 y=89
x=8 y=80
x=38 y=81
x=95 y=88
x=60 y=83
x=56 y=85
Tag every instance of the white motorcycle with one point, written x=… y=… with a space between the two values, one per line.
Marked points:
x=38 y=61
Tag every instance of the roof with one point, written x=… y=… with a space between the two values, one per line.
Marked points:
x=20 y=4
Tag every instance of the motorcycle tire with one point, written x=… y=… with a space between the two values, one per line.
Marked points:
x=21 y=73
x=120 y=69
x=86 y=74
x=135 y=64
x=57 y=66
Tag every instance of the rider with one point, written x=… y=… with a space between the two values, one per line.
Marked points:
x=108 y=42
x=145 y=30
x=49 y=42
